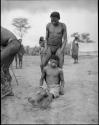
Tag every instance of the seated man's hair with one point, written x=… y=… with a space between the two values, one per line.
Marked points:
x=55 y=58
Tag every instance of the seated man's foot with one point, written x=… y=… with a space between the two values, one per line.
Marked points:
x=33 y=102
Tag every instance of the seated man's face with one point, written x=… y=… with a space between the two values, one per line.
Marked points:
x=54 y=20
x=53 y=63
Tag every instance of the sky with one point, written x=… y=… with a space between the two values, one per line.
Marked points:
x=78 y=15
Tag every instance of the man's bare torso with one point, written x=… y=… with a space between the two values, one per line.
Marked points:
x=55 y=34
x=52 y=75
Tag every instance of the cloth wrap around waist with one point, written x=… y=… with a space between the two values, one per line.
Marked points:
x=54 y=43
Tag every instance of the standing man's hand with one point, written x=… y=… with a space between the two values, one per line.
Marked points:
x=64 y=39
x=45 y=44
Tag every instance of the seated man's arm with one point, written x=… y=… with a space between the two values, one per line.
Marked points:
x=62 y=78
x=64 y=38
x=42 y=77
x=62 y=82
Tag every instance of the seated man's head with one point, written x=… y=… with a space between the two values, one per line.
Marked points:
x=55 y=17
x=41 y=41
x=54 y=61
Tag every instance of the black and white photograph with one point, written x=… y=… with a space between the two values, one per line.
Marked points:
x=49 y=62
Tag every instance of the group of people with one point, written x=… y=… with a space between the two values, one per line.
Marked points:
x=52 y=58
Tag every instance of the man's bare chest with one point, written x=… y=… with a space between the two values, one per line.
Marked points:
x=55 y=29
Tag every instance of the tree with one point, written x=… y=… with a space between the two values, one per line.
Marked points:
x=83 y=38
x=75 y=34
x=21 y=25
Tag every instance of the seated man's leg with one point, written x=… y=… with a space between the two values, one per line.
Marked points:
x=60 y=55
x=55 y=91
x=38 y=98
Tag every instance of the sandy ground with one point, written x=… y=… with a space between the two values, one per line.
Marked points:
x=79 y=104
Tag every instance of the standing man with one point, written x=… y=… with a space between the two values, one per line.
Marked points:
x=9 y=47
x=56 y=39
x=75 y=48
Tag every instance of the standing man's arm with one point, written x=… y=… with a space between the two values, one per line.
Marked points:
x=64 y=38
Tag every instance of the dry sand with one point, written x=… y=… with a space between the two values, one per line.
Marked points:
x=79 y=104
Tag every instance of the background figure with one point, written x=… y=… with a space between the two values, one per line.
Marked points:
x=42 y=50
x=75 y=48
x=56 y=38
x=9 y=47
x=19 y=55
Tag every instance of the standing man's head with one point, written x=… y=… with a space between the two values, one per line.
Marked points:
x=55 y=17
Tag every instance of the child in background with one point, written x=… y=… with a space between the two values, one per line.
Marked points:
x=42 y=50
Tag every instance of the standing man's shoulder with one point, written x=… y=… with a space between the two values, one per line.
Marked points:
x=48 y=25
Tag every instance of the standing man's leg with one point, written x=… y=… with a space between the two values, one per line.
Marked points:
x=60 y=55
x=45 y=58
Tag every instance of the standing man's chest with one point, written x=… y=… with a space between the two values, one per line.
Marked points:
x=55 y=29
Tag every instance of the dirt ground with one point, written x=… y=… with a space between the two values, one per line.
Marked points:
x=79 y=104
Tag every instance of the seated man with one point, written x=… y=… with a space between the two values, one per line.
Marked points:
x=9 y=47
x=54 y=78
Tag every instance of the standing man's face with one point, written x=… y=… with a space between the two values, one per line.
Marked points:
x=54 y=20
